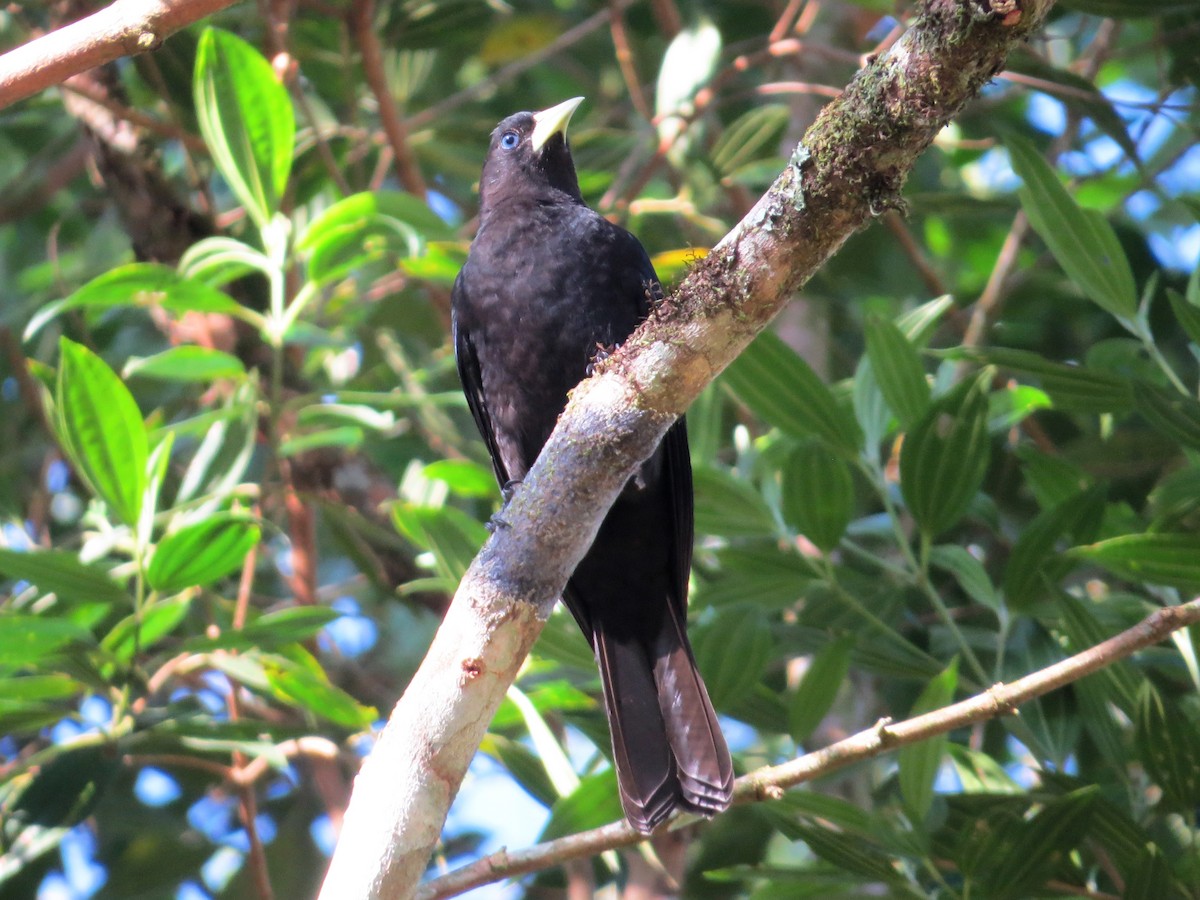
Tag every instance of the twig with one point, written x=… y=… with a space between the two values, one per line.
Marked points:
x=247 y=802
x=624 y=54
x=770 y=782
x=786 y=19
x=319 y=141
x=124 y=28
x=84 y=88
x=666 y=13
x=929 y=275
x=362 y=24
x=993 y=291
x=501 y=76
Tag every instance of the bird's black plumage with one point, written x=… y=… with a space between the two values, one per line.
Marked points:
x=546 y=282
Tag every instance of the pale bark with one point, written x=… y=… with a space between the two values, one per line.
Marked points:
x=124 y=28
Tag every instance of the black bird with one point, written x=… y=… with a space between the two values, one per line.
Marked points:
x=548 y=281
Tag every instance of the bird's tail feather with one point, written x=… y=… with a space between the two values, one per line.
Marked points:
x=646 y=773
x=704 y=768
x=667 y=745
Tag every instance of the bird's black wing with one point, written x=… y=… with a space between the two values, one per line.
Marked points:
x=676 y=458
x=467 y=359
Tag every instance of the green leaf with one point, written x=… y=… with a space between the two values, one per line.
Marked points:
x=366 y=227
x=980 y=773
x=919 y=762
x=870 y=408
x=1187 y=314
x=1078 y=94
x=917 y=325
x=1152 y=879
x=729 y=506
x=1168 y=742
x=39 y=687
x=1174 y=414
x=139 y=284
x=784 y=391
x=101 y=430
x=1023 y=861
x=186 y=363
x=246 y=118
x=1071 y=387
x=219 y=260
x=945 y=457
x=342 y=436
x=288 y=625
x=775 y=578
x=61 y=573
x=1122 y=681
x=1035 y=554
x=967 y=571
x=733 y=651
x=818 y=494
x=594 y=803
x=752 y=135
x=1052 y=479
x=1082 y=241
x=452 y=535
x=25 y=640
x=463 y=477
x=818 y=688
x=307 y=687
x=198 y=554
x=1170 y=559
x=849 y=852
x=898 y=370
x=522 y=764
x=134 y=634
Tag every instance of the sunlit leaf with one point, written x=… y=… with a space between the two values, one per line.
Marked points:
x=141 y=285
x=186 y=363
x=1082 y=241
x=62 y=573
x=101 y=430
x=246 y=118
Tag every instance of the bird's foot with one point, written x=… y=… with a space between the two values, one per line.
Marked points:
x=509 y=488
x=506 y=491
x=602 y=353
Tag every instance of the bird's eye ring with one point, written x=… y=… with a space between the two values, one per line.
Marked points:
x=509 y=140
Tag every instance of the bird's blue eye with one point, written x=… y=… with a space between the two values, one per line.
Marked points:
x=509 y=140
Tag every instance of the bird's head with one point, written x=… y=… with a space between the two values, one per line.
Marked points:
x=529 y=157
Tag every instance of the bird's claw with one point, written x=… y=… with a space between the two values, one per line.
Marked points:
x=602 y=353
x=509 y=488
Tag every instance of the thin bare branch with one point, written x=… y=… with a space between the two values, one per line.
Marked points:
x=362 y=23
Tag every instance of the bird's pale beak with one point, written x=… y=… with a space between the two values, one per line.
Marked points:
x=552 y=121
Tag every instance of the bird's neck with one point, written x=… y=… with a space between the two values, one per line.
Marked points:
x=510 y=207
